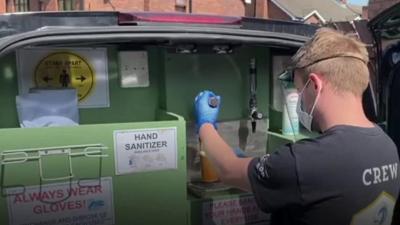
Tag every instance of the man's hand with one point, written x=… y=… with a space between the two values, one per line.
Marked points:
x=206 y=109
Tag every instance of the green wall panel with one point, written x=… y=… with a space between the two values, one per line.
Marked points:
x=175 y=79
x=157 y=197
x=126 y=104
x=227 y=75
x=8 y=91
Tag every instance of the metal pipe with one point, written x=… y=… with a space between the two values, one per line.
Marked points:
x=254 y=114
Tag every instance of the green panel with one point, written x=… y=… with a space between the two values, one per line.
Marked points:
x=126 y=104
x=173 y=89
x=275 y=121
x=8 y=91
x=277 y=139
x=227 y=75
x=137 y=197
x=175 y=79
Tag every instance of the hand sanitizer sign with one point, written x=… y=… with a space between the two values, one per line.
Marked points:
x=143 y=150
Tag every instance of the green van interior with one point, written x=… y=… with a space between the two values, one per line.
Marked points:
x=46 y=160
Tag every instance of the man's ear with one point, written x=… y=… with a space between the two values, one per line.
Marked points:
x=316 y=81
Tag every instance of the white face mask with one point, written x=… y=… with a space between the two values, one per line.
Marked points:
x=304 y=117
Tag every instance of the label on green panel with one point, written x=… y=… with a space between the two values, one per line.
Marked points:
x=143 y=150
x=67 y=70
x=84 y=69
x=90 y=202
x=233 y=211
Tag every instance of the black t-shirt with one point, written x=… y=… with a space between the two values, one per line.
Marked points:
x=349 y=175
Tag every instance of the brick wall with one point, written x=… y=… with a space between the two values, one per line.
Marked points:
x=114 y=5
x=258 y=8
x=377 y=6
x=262 y=9
x=164 y=5
x=221 y=7
x=3 y=6
x=34 y=5
x=275 y=12
x=49 y=5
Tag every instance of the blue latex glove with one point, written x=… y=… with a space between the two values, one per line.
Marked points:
x=205 y=113
x=239 y=153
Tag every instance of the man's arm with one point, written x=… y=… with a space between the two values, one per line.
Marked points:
x=231 y=169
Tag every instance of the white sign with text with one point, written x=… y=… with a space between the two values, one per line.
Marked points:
x=234 y=211
x=145 y=150
x=62 y=204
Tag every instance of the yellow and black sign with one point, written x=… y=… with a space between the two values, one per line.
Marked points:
x=63 y=70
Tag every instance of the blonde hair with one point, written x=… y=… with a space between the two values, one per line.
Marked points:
x=340 y=59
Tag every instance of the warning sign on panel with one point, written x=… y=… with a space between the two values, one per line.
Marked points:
x=62 y=204
x=243 y=210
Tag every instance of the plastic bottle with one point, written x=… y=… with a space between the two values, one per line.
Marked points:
x=290 y=119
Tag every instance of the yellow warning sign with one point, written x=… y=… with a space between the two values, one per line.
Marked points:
x=63 y=70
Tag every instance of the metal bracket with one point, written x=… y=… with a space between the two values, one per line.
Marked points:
x=20 y=156
x=44 y=153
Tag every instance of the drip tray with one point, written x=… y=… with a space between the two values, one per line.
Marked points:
x=204 y=190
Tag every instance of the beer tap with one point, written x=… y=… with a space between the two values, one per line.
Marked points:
x=254 y=114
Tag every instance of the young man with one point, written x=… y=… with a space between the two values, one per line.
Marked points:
x=348 y=175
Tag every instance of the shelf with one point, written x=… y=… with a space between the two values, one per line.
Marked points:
x=302 y=135
x=276 y=139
